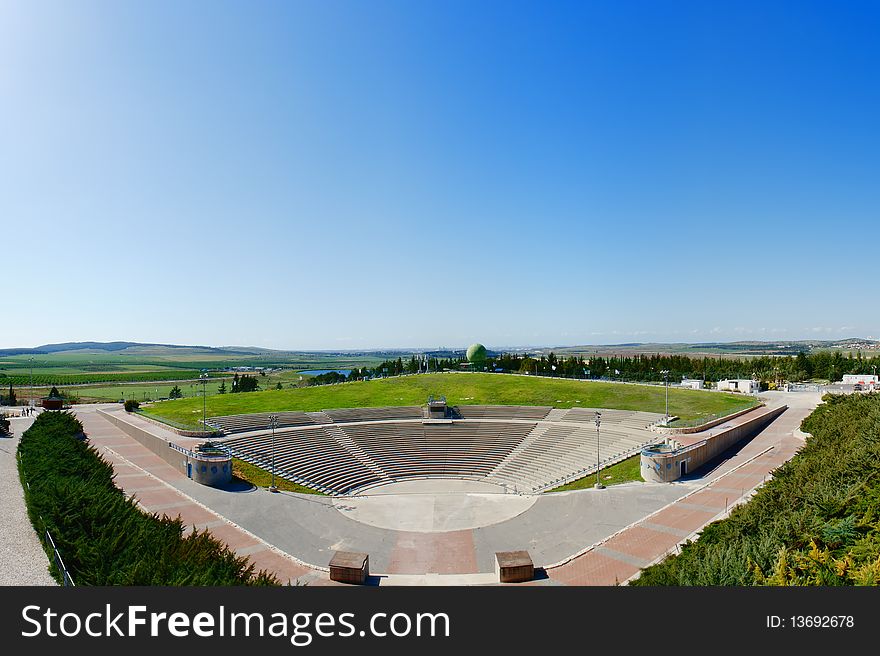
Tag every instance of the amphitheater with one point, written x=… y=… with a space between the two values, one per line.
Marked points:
x=520 y=449
x=434 y=501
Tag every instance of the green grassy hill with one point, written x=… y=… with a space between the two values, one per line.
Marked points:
x=459 y=389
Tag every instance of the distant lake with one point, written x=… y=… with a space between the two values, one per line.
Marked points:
x=318 y=372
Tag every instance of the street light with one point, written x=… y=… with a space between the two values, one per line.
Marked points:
x=203 y=379
x=273 y=422
x=599 y=485
x=665 y=373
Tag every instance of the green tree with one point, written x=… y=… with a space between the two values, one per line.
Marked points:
x=245 y=384
x=222 y=388
x=528 y=365
x=175 y=393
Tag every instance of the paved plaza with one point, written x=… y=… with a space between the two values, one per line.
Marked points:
x=22 y=559
x=447 y=532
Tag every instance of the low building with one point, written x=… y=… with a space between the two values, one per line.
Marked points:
x=693 y=383
x=744 y=385
x=859 y=379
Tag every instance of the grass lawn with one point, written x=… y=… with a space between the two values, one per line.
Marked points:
x=262 y=478
x=622 y=472
x=459 y=388
x=142 y=392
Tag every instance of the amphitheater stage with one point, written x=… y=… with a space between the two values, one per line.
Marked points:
x=552 y=527
x=434 y=505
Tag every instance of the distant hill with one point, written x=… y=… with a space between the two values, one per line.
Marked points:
x=631 y=348
x=167 y=350
x=117 y=347
x=787 y=347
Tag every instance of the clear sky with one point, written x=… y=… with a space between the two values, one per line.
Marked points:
x=341 y=175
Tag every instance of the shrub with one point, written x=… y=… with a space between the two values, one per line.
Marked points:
x=104 y=538
x=131 y=405
x=814 y=523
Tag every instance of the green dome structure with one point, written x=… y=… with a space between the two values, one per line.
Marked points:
x=476 y=354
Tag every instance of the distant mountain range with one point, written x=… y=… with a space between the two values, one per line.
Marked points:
x=740 y=348
x=112 y=347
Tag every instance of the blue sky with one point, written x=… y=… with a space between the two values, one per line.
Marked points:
x=342 y=175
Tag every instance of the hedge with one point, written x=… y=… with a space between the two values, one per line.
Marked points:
x=102 y=535
x=816 y=522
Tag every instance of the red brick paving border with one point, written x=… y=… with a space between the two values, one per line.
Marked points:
x=145 y=475
x=598 y=566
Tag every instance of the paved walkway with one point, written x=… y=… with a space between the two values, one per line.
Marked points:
x=621 y=557
x=151 y=480
x=434 y=532
x=628 y=526
x=22 y=559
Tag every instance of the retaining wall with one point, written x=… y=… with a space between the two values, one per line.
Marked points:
x=207 y=470
x=669 y=464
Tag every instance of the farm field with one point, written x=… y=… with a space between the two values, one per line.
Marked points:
x=459 y=388
x=139 y=392
x=101 y=375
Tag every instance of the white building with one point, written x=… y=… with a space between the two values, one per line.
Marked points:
x=860 y=379
x=692 y=383
x=744 y=385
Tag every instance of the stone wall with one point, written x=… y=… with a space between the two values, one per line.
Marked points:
x=207 y=470
x=665 y=465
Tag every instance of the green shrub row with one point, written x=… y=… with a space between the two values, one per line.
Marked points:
x=816 y=522
x=103 y=537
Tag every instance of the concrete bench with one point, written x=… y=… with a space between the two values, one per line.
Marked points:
x=514 y=566
x=349 y=567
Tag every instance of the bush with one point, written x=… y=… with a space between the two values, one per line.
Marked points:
x=104 y=538
x=131 y=405
x=814 y=523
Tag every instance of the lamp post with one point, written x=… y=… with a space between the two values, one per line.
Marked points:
x=665 y=373
x=599 y=485
x=31 y=391
x=273 y=422
x=203 y=379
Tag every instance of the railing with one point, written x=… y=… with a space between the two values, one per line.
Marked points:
x=210 y=430
x=66 y=578
x=706 y=419
x=185 y=452
x=204 y=455
x=668 y=449
x=587 y=471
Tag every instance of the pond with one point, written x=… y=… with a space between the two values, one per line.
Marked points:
x=318 y=372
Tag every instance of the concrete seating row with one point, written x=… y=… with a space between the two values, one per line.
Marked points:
x=406 y=450
x=310 y=457
x=536 y=412
x=628 y=418
x=340 y=415
x=260 y=421
x=555 y=452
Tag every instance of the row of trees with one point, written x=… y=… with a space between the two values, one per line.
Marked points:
x=827 y=365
